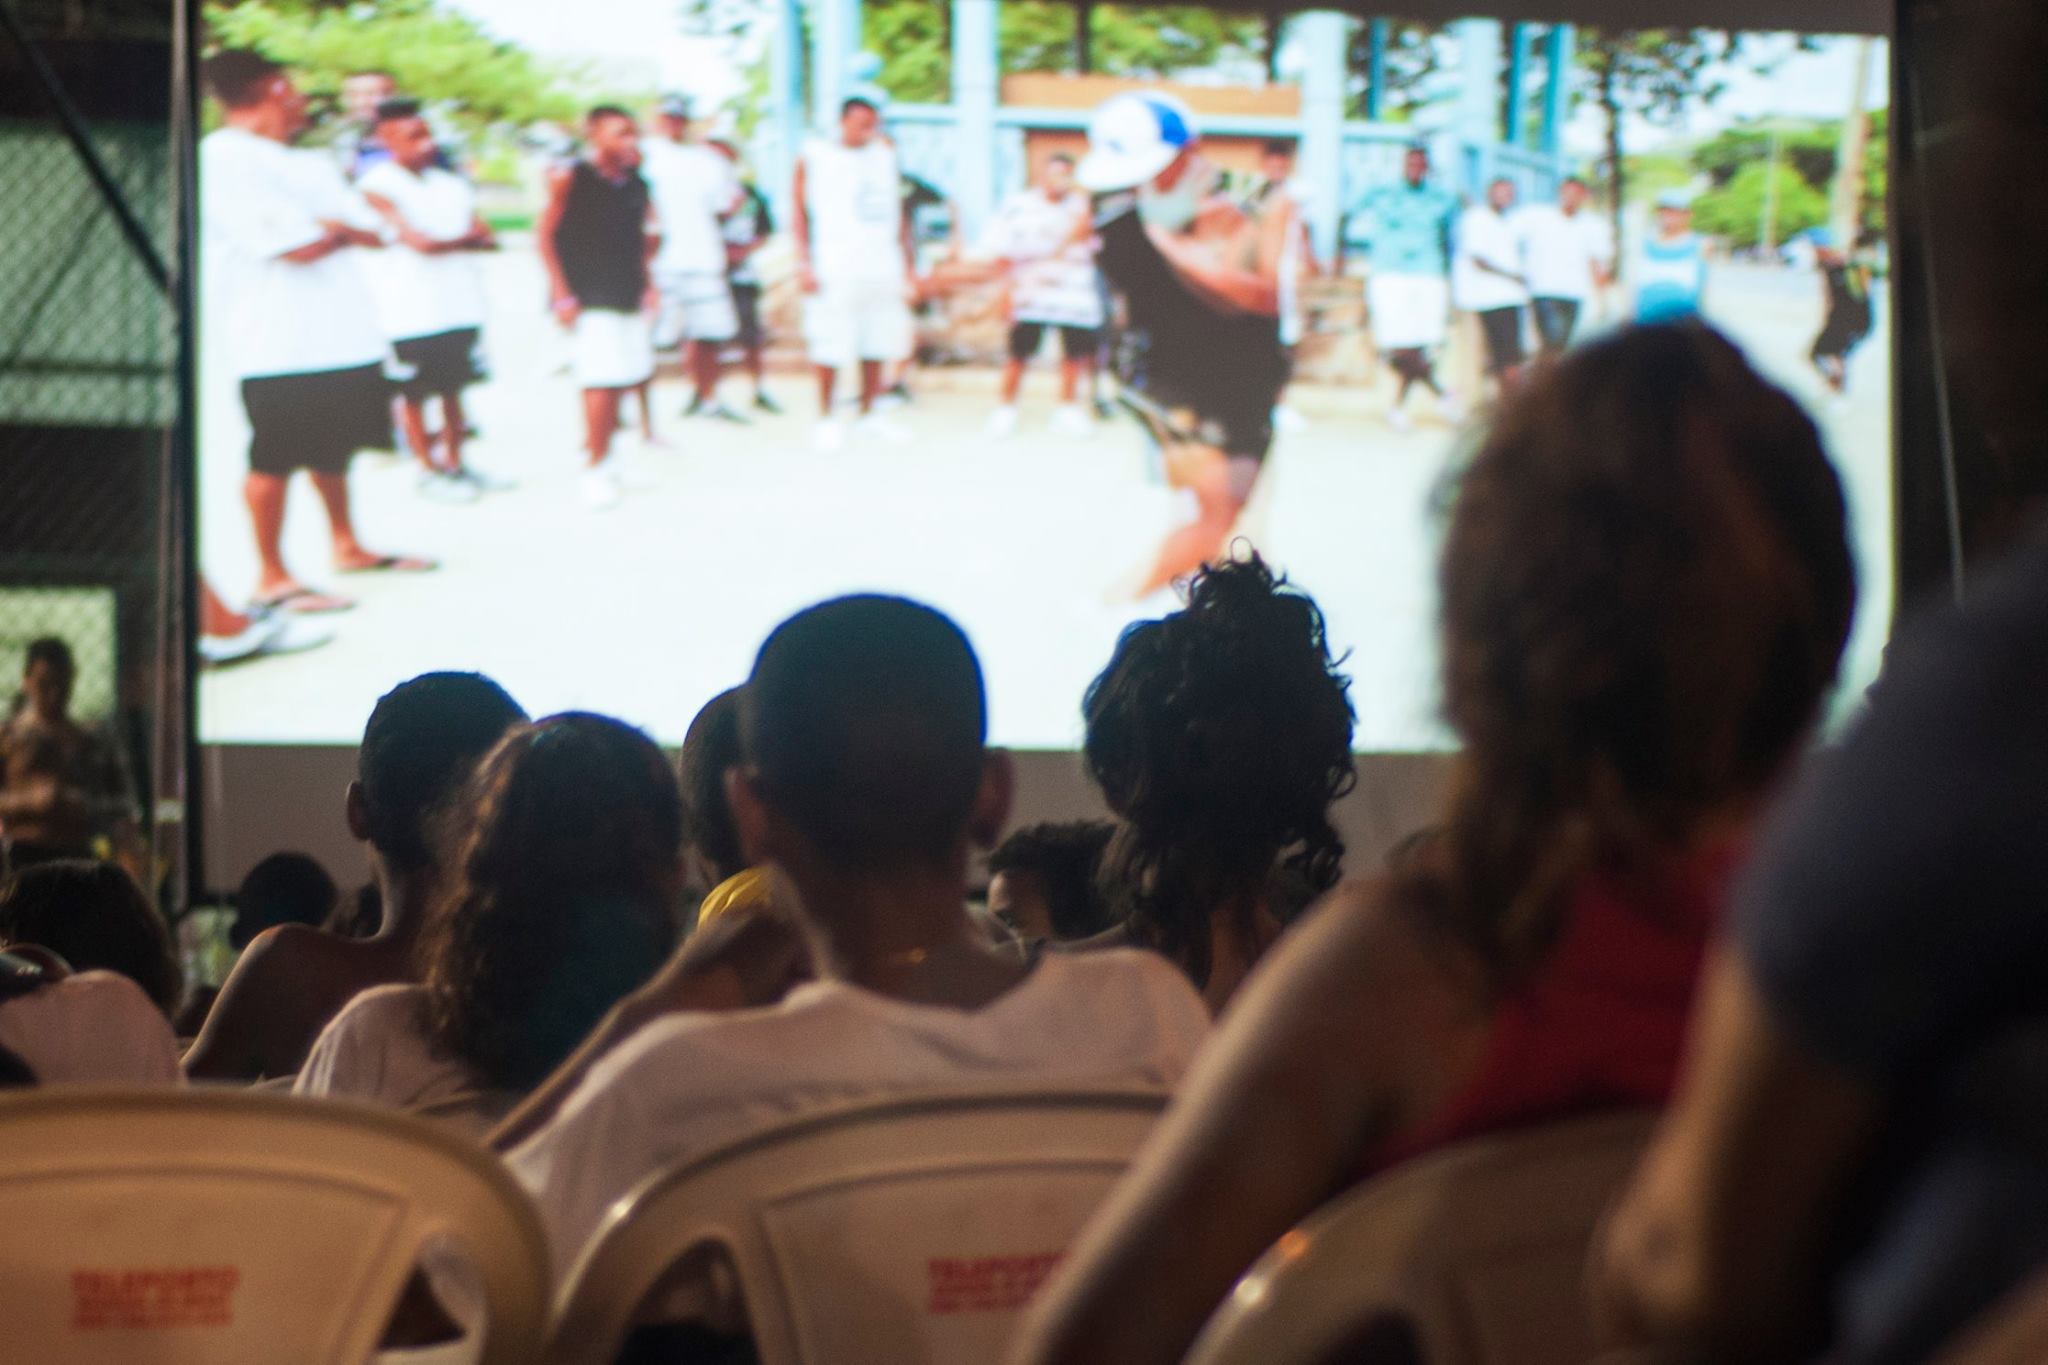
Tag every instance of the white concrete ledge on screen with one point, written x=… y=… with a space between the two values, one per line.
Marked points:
x=262 y=798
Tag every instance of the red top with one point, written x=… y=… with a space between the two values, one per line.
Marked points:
x=1601 y=1024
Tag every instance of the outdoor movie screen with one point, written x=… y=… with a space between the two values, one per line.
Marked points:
x=590 y=402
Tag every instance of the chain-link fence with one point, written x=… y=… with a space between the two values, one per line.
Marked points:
x=88 y=520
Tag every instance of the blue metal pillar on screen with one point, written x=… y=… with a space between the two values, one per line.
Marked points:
x=835 y=42
x=775 y=147
x=1478 y=112
x=976 y=86
x=1557 y=88
x=1521 y=43
x=1325 y=36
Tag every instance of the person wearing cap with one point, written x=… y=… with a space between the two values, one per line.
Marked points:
x=746 y=228
x=1407 y=231
x=1846 y=320
x=1199 y=275
x=854 y=263
x=693 y=188
x=1671 y=264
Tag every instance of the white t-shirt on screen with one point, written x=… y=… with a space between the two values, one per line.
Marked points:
x=691 y=188
x=1562 y=249
x=1484 y=235
x=417 y=294
x=376 y=1050
x=259 y=199
x=686 y=1084
x=854 y=197
x=94 y=1028
x=1052 y=278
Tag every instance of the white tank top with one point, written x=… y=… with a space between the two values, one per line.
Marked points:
x=855 y=200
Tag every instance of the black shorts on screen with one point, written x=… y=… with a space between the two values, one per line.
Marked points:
x=318 y=421
x=445 y=362
x=1076 y=343
x=746 y=308
x=1556 y=320
x=1503 y=329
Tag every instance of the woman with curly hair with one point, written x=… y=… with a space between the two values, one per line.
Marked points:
x=1220 y=735
x=565 y=902
x=1645 y=589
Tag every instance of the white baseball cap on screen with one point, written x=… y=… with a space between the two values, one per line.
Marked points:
x=1132 y=138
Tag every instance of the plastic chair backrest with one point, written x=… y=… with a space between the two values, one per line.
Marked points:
x=197 y=1227
x=1474 y=1255
x=910 y=1231
x=2013 y=1332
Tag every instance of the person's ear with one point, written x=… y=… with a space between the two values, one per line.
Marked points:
x=752 y=818
x=992 y=799
x=358 y=812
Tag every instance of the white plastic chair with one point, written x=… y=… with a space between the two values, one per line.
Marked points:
x=202 y=1227
x=911 y=1231
x=1474 y=1255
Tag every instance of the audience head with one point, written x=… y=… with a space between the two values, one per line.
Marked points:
x=711 y=748
x=48 y=673
x=419 y=751
x=1042 y=880
x=1220 y=735
x=94 y=916
x=285 y=888
x=863 y=729
x=1645 y=588
x=566 y=899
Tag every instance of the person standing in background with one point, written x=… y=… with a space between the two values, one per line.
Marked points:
x=596 y=237
x=854 y=264
x=1487 y=281
x=429 y=292
x=1847 y=321
x=1671 y=265
x=692 y=188
x=747 y=227
x=362 y=92
x=1568 y=255
x=64 y=790
x=1043 y=238
x=282 y=228
x=1407 y=227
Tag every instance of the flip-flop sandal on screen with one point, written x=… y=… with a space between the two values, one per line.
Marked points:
x=305 y=602
x=395 y=564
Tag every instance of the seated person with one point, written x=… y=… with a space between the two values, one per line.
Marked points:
x=1645 y=586
x=1042 y=881
x=865 y=778
x=88 y=1028
x=285 y=888
x=1220 y=735
x=711 y=845
x=94 y=917
x=419 y=751
x=564 y=901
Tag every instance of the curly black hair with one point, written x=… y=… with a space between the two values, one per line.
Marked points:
x=1065 y=857
x=1220 y=735
x=565 y=898
x=710 y=746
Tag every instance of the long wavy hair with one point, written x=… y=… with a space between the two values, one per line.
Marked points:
x=565 y=897
x=1645 y=589
x=1220 y=735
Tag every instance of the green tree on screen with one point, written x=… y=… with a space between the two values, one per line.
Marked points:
x=1740 y=210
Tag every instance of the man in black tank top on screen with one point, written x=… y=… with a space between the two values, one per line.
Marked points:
x=596 y=238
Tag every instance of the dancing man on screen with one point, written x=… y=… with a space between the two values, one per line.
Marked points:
x=1407 y=229
x=596 y=238
x=1568 y=254
x=693 y=188
x=291 y=309
x=1200 y=280
x=854 y=263
x=429 y=292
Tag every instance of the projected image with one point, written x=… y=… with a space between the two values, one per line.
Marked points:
x=579 y=345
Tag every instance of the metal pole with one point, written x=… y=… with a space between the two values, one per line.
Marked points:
x=80 y=137
x=180 y=499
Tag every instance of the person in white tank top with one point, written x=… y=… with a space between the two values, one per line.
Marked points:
x=854 y=263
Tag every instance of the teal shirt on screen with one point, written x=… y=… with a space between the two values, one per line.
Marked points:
x=1408 y=228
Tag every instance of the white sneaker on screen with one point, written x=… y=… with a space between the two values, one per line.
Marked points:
x=1399 y=420
x=1287 y=421
x=1002 y=423
x=828 y=437
x=1069 y=420
x=1453 y=411
x=880 y=428
x=600 y=488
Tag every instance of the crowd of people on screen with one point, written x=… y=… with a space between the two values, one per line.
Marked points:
x=1647 y=888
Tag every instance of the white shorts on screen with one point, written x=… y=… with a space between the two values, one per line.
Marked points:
x=1409 y=312
x=612 y=349
x=857 y=319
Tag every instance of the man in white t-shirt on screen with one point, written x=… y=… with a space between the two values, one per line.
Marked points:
x=1486 y=280
x=1044 y=238
x=865 y=778
x=854 y=263
x=283 y=233
x=1568 y=254
x=693 y=189
x=429 y=292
